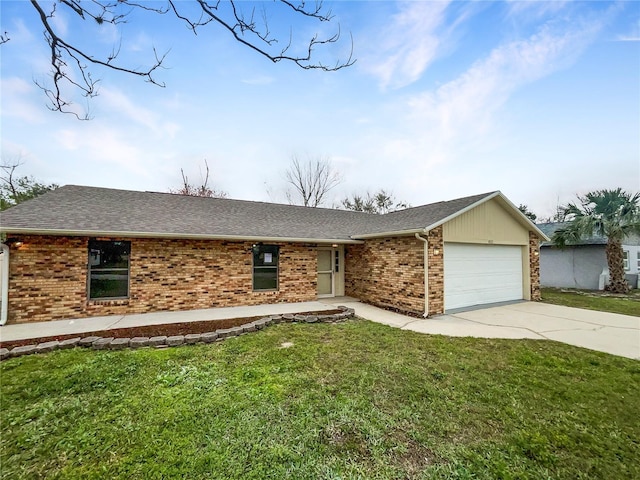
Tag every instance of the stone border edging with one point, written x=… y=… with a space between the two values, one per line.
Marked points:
x=111 y=343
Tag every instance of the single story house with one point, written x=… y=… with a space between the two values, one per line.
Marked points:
x=84 y=251
x=583 y=264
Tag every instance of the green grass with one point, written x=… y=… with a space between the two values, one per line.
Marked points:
x=594 y=300
x=352 y=400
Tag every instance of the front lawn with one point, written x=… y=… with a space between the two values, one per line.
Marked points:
x=313 y=401
x=594 y=300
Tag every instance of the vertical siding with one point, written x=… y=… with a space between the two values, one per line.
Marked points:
x=486 y=223
x=339 y=276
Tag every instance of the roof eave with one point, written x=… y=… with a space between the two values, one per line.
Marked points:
x=185 y=236
x=532 y=226
x=396 y=233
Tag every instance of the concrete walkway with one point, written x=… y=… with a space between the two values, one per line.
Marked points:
x=606 y=332
x=95 y=324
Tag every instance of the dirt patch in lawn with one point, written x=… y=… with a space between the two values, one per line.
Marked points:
x=167 y=329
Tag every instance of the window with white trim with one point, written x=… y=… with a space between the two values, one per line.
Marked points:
x=108 y=269
x=625 y=257
x=265 y=267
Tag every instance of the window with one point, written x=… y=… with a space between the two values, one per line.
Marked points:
x=625 y=254
x=108 y=269
x=638 y=261
x=265 y=267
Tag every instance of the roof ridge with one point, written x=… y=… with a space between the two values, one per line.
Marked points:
x=222 y=199
x=479 y=196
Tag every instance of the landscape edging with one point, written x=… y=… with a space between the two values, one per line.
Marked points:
x=118 y=343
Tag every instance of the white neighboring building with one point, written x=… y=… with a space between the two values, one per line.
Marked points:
x=582 y=265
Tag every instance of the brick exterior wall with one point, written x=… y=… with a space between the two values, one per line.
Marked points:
x=436 y=271
x=388 y=273
x=48 y=277
x=534 y=265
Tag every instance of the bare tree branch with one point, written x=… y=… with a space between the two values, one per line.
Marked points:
x=70 y=62
x=310 y=181
x=202 y=190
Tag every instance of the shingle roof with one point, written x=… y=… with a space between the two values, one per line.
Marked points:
x=550 y=228
x=101 y=211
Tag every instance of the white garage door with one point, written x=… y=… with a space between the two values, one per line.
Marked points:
x=480 y=274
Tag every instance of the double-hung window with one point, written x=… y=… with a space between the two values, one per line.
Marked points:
x=265 y=267
x=108 y=269
x=625 y=254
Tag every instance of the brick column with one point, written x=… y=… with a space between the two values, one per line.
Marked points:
x=534 y=265
x=436 y=271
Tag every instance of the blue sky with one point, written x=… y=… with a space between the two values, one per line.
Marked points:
x=540 y=100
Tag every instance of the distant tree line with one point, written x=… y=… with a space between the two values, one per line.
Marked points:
x=15 y=189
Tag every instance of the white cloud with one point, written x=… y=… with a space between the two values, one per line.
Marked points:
x=466 y=104
x=117 y=101
x=141 y=42
x=19 y=32
x=627 y=38
x=632 y=36
x=409 y=44
x=59 y=23
x=103 y=145
x=532 y=10
x=259 y=80
x=455 y=124
x=16 y=100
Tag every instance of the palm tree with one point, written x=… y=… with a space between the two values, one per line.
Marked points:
x=612 y=214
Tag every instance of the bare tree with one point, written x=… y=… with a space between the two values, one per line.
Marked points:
x=16 y=189
x=311 y=181
x=71 y=61
x=202 y=190
x=380 y=202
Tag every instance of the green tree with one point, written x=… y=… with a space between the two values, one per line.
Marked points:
x=380 y=202
x=613 y=214
x=528 y=213
x=14 y=189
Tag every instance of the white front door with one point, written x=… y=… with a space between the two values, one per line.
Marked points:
x=326 y=273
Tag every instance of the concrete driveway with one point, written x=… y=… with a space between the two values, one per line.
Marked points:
x=606 y=332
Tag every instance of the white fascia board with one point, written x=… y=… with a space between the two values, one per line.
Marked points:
x=182 y=236
x=497 y=194
x=460 y=212
x=525 y=218
x=398 y=233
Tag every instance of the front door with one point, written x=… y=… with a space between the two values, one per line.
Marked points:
x=325 y=273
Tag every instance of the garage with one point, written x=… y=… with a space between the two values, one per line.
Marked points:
x=477 y=274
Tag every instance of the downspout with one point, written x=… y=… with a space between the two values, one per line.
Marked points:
x=5 y=284
x=426 y=274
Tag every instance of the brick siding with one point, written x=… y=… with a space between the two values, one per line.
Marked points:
x=534 y=265
x=436 y=271
x=387 y=272
x=48 y=277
